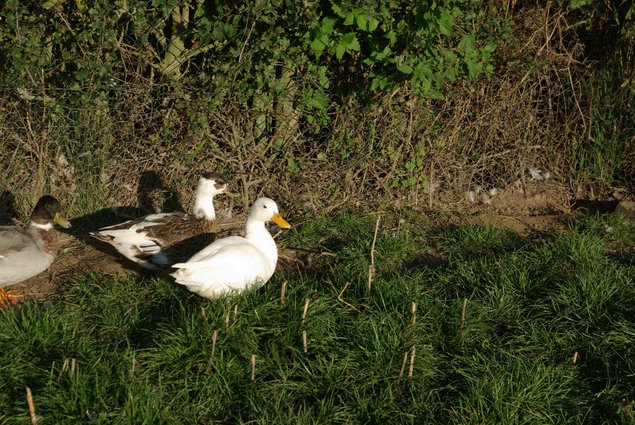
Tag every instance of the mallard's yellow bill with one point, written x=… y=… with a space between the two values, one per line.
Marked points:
x=61 y=221
x=277 y=218
x=230 y=192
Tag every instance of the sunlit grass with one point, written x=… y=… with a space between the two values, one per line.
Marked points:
x=506 y=329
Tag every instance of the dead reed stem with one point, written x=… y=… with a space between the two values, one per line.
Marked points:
x=412 y=362
x=29 y=401
x=371 y=268
x=403 y=365
x=253 y=367
x=283 y=291
x=211 y=356
x=305 y=346
x=414 y=314
x=306 y=308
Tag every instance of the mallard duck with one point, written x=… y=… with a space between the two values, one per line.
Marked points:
x=235 y=263
x=157 y=240
x=27 y=251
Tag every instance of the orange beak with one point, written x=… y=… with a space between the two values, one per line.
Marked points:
x=277 y=218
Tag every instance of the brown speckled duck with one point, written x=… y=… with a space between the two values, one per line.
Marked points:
x=156 y=241
x=28 y=251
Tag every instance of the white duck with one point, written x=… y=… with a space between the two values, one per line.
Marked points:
x=157 y=240
x=27 y=251
x=235 y=263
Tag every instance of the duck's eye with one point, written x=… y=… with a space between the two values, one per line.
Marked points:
x=264 y=206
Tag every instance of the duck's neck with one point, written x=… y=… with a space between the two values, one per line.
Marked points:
x=42 y=226
x=44 y=236
x=257 y=234
x=204 y=203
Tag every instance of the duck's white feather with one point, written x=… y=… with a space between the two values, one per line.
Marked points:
x=146 y=239
x=235 y=263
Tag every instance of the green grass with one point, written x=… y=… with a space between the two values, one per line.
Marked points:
x=142 y=348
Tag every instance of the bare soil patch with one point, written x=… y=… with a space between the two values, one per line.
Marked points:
x=529 y=209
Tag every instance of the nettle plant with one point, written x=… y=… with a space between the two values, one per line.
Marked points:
x=388 y=44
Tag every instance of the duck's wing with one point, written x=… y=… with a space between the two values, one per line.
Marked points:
x=228 y=267
x=215 y=252
x=157 y=240
x=13 y=240
x=20 y=256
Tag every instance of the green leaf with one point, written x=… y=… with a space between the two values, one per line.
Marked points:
x=338 y=10
x=373 y=24
x=350 y=19
x=466 y=44
x=317 y=46
x=406 y=69
x=350 y=41
x=327 y=25
x=340 y=49
x=445 y=22
x=362 y=22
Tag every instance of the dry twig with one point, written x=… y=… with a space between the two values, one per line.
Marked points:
x=340 y=299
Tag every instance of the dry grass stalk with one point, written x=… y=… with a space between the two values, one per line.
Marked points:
x=412 y=362
x=430 y=187
x=403 y=364
x=283 y=291
x=339 y=297
x=253 y=367
x=575 y=357
x=29 y=401
x=63 y=370
x=73 y=367
x=414 y=314
x=305 y=346
x=371 y=268
x=235 y=313
x=227 y=323
x=463 y=311
x=203 y=313
x=211 y=357
x=133 y=366
x=306 y=308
